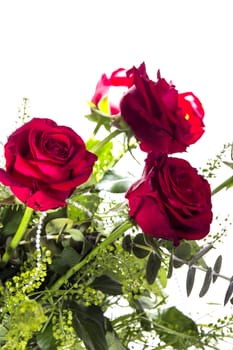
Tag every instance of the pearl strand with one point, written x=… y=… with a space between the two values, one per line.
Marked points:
x=78 y=206
x=37 y=240
x=38 y=247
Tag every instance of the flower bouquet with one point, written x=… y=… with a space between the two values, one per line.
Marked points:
x=86 y=249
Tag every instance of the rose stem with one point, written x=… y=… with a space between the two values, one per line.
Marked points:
x=226 y=183
x=17 y=237
x=99 y=145
x=117 y=232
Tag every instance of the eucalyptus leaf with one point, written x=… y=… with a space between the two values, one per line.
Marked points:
x=200 y=254
x=229 y=292
x=127 y=243
x=139 y=251
x=217 y=267
x=190 y=279
x=152 y=267
x=206 y=283
x=170 y=267
x=151 y=241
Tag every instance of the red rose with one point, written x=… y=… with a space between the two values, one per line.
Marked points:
x=118 y=79
x=171 y=200
x=161 y=119
x=44 y=163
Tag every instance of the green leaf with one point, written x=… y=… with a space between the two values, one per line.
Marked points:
x=45 y=339
x=89 y=325
x=87 y=206
x=58 y=225
x=65 y=260
x=190 y=279
x=228 y=164
x=162 y=276
x=140 y=252
x=178 y=330
x=11 y=219
x=152 y=267
x=3 y=333
x=115 y=182
x=76 y=234
x=217 y=267
x=106 y=158
x=100 y=118
x=107 y=285
x=114 y=342
x=183 y=252
x=206 y=283
x=229 y=292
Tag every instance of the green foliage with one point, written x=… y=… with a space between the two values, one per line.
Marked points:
x=101 y=117
x=115 y=182
x=212 y=165
x=21 y=315
x=177 y=330
x=62 y=290
x=105 y=160
x=152 y=267
x=10 y=226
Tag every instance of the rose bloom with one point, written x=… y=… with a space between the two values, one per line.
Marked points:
x=119 y=82
x=162 y=119
x=45 y=163
x=171 y=201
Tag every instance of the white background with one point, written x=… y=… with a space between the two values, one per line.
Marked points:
x=53 y=52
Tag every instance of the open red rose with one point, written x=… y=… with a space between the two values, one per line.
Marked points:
x=118 y=80
x=161 y=119
x=45 y=163
x=171 y=201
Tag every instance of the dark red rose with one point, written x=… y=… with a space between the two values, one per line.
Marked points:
x=45 y=163
x=171 y=201
x=161 y=119
x=120 y=81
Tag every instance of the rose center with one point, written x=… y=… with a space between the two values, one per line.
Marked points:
x=57 y=149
